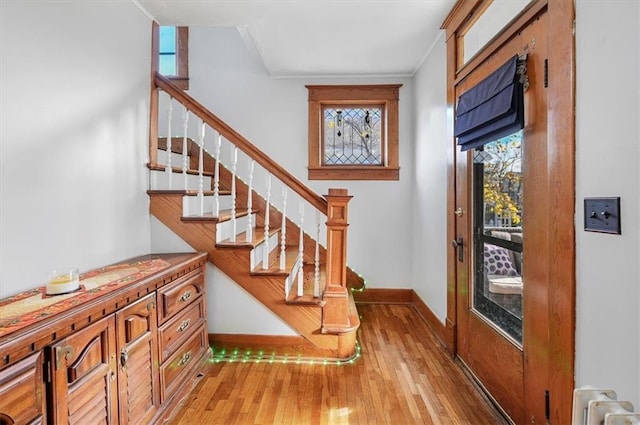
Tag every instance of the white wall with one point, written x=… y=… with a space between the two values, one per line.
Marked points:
x=608 y=158
x=74 y=104
x=429 y=242
x=230 y=309
x=229 y=79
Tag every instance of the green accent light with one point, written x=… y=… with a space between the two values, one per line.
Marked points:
x=248 y=356
x=364 y=282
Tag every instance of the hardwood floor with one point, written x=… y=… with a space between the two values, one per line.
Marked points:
x=402 y=377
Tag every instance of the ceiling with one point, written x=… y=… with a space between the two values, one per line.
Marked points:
x=320 y=37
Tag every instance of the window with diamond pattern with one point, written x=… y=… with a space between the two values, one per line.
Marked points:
x=353 y=132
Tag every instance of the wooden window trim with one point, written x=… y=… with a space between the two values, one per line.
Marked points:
x=383 y=95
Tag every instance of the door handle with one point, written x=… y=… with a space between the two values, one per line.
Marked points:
x=458 y=244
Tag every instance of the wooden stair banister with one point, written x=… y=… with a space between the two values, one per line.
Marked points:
x=330 y=327
x=243 y=144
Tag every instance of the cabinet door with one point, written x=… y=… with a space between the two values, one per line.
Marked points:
x=84 y=386
x=138 y=385
x=22 y=392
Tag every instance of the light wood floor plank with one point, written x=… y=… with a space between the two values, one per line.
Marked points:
x=403 y=377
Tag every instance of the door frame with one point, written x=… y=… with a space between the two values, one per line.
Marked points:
x=560 y=174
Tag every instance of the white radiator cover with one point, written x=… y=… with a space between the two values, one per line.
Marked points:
x=597 y=406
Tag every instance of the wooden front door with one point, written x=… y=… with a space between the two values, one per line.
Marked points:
x=501 y=262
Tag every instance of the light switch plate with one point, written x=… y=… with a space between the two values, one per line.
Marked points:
x=602 y=215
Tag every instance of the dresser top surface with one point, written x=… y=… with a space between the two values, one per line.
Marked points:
x=27 y=308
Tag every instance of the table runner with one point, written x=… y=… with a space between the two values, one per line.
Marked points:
x=26 y=308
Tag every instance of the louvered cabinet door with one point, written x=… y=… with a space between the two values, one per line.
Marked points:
x=22 y=395
x=84 y=380
x=138 y=358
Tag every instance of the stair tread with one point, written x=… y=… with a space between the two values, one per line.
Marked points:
x=291 y=256
x=241 y=239
x=194 y=192
x=354 y=316
x=176 y=144
x=178 y=170
x=224 y=215
x=187 y=192
x=304 y=300
x=167 y=206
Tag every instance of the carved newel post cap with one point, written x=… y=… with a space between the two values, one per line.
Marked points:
x=338 y=192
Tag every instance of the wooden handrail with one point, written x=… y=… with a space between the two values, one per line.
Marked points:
x=243 y=144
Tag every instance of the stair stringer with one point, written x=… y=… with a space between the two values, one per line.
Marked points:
x=235 y=263
x=353 y=279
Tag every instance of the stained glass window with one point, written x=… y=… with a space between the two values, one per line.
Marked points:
x=352 y=135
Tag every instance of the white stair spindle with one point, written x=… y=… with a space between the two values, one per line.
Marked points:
x=287 y=289
x=234 y=164
x=216 y=179
x=283 y=230
x=301 y=252
x=168 y=168
x=267 y=210
x=185 y=156
x=249 y=230
x=316 y=272
x=200 y=171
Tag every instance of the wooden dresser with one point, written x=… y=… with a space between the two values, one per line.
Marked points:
x=124 y=349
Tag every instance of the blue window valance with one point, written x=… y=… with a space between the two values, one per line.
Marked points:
x=492 y=109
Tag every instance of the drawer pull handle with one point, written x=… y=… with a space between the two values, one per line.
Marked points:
x=185 y=296
x=63 y=353
x=185 y=359
x=124 y=358
x=183 y=327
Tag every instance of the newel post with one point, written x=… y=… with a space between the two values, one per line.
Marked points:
x=335 y=313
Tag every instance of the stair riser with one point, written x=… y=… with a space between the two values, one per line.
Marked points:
x=224 y=229
x=176 y=158
x=257 y=253
x=159 y=180
x=292 y=279
x=191 y=204
x=268 y=290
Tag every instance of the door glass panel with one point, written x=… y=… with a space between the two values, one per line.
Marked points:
x=489 y=24
x=498 y=234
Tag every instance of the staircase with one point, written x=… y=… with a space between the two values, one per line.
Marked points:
x=239 y=211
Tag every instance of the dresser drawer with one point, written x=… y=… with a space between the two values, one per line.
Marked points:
x=178 y=328
x=180 y=363
x=179 y=295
